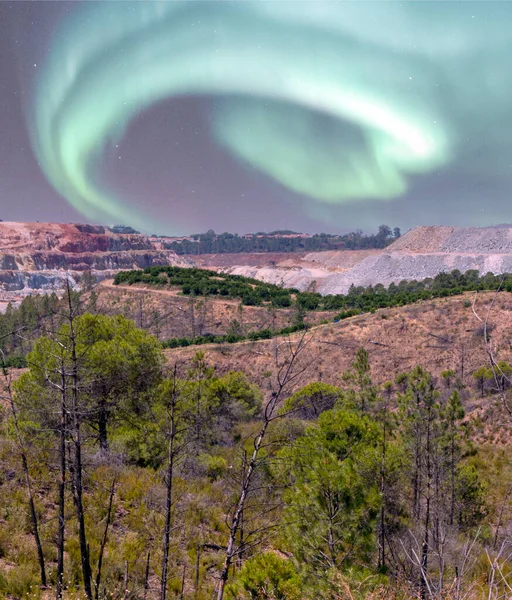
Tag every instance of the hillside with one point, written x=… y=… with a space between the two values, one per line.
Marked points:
x=40 y=256
x=420 y=253
x=219 y=403
x=440 y=334
x=167 y=314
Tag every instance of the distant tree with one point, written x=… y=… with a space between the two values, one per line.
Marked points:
x=312 y=400
x=362 y=392
x=481 y=376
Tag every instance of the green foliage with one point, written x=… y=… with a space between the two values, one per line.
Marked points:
x=341 y=492
x=203 y=282
x=482 y=375
x=22 y=582
x=118 y=365
x=25 y=320
x=471 y=496
x=267 y=576
x=231 y=338
x=215 y=466
x=361 y=393
x=330 y=507
x=281 y=241
x=313 y=399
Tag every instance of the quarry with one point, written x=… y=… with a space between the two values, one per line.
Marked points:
x=41 y=257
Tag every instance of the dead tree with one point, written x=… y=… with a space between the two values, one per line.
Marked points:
x=287 y=373
x=171 y=455
x=498 y=375
x=71 y=314
x=63 y=434
x=104 y=539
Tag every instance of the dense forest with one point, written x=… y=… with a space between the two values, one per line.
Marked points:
x=281 y=241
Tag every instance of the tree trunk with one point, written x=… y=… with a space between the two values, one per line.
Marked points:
x=425 y=544
x=452 y=474
x=35 y=528
x=237 y=517
x=424 y=553
x=382 y=526
x=77 y=466
x=168 y=499
x=62 y=486
x=146 y=576
x=104 y=539
x=102 y=427
x=196 y=580
x=252 y=465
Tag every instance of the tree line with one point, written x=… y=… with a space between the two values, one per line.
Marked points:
x=252 y=292
x=281 y=241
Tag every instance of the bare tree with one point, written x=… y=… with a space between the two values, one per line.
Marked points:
x=104 y=539
x=171 y=456
x=499 y=376
x=288 y=372
x=72 y=313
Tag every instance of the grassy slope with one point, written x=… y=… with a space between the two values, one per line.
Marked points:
x=167 y=314
x=436 y=334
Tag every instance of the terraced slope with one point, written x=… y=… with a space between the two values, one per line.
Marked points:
x=41 y=256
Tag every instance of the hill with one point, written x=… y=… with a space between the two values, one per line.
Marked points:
x=167 y=442
x=167 y=314
x=422 y=252
x=41 y=256
x=442 y=334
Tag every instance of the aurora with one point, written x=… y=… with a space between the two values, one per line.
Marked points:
x=339 y=102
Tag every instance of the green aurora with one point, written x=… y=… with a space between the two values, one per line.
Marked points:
x=340 y=102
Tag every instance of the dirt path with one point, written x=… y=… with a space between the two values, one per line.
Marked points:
x=109 y=283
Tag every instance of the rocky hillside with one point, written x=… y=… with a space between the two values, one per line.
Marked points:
x=420 y=253
x=472 y=240
x=41 y=256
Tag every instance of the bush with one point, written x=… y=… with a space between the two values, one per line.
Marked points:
x=267 y=576
x=215 y=466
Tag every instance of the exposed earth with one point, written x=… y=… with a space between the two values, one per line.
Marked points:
x=42 y=256
x=420 y=253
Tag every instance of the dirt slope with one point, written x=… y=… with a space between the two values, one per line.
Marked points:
x=42 y=256
x=440 y=334
x=167 y=314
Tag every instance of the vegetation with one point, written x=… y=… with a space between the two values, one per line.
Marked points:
x=202 y=282
x=251 y=292
x=232 y=338
x=124 y=476
x=281 y=241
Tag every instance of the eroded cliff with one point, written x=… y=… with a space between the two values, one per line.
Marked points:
x=43 y=256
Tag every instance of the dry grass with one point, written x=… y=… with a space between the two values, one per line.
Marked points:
x=437 y=334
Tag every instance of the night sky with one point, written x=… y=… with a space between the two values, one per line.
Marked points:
x=177 y=117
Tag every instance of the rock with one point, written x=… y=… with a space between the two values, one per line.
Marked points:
x=42 y=256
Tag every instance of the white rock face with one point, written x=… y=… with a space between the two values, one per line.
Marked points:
x=420 y=253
